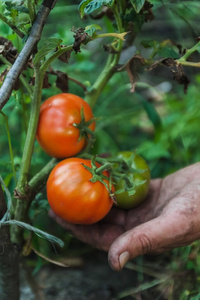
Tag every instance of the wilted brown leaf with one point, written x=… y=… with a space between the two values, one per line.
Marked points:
x=65 y=56
x=132 y=67
x=80 y=37
x=62 y=81
x=176 y=69
x=8 y=50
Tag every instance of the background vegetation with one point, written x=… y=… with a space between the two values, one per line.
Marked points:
x=160 y=118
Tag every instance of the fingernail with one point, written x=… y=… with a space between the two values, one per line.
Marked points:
x=123 y=259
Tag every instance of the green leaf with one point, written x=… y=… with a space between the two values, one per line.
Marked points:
x=149 y=43
x=82 y=6
x=137 y=4
x=91 y=29
x=49 y=45
x=88 y=6
x=168 y=52
x=152 y=114
x=37 y=231
x=21 y=9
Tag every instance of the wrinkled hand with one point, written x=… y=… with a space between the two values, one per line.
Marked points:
x=169 y=218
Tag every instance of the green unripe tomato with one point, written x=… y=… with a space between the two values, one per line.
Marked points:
x=141 y=180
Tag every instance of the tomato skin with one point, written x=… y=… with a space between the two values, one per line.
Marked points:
x=124 y=200
x=73 y=197
x=55 y=132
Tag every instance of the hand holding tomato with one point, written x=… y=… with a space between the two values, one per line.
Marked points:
x=169 y=218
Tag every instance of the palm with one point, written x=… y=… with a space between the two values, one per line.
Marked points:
x=169 y=218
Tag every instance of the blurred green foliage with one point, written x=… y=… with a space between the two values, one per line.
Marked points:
x=158 y=119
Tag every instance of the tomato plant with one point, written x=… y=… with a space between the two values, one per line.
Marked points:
x=139 y=175
x=75 y=195
x=65 y=124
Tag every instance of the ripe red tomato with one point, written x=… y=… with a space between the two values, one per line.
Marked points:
x=141 y=180
x=73 y=197
x=56 y=133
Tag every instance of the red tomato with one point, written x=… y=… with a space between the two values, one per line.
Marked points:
x=73 y=197
x=56 y=133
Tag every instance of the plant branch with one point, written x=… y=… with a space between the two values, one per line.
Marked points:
x=110 y=67
x=111 y=34
x=189 y=52
x=30 y=138
x=10 y=145
x=26 y=52
x=59 y=52
x=31 y=10
x=39 y=180
x=22 y=193
x=100 y=83
x=9 y=267
x=3 y=205
x=189 y=63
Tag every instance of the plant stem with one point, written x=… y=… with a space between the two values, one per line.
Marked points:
x=9 y=267
x=189 y=63
x=39 y=180
x=189 y=52
x=109 y=69
x=49 y=61
x=24 y=55
x=30 y=138
x=22 y=189
x=111 y=34
x=10 y=145
x=9 y=260
x=31 y=10
x=100 y=83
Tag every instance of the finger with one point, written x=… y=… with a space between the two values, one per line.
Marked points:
x=97 y=235
x=156 y=236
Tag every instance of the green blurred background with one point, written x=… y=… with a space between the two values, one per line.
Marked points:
x=159 y=120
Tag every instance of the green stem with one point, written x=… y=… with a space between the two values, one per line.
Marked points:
x=49 y=61
x=189 y=53
x=106 y=167
x=110 y=160
x=31 y=10
x=22 y=191
x=10 y=145
x=189 y=63
x=111 y=34
x=26 y=85
x=109 y=69
x=30 y=138
x=38 y=181
x=125 y=178
x=100 y=83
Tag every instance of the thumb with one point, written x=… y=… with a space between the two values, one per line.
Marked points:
x=155 y=236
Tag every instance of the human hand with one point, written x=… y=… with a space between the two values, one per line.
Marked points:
x=169 y=218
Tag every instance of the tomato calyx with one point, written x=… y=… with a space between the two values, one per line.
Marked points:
x=129 y=184
x=118 y=169
x=124 y=171
x=83 y=126
x=97 y=175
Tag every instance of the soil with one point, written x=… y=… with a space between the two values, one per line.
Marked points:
x=94 y=280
